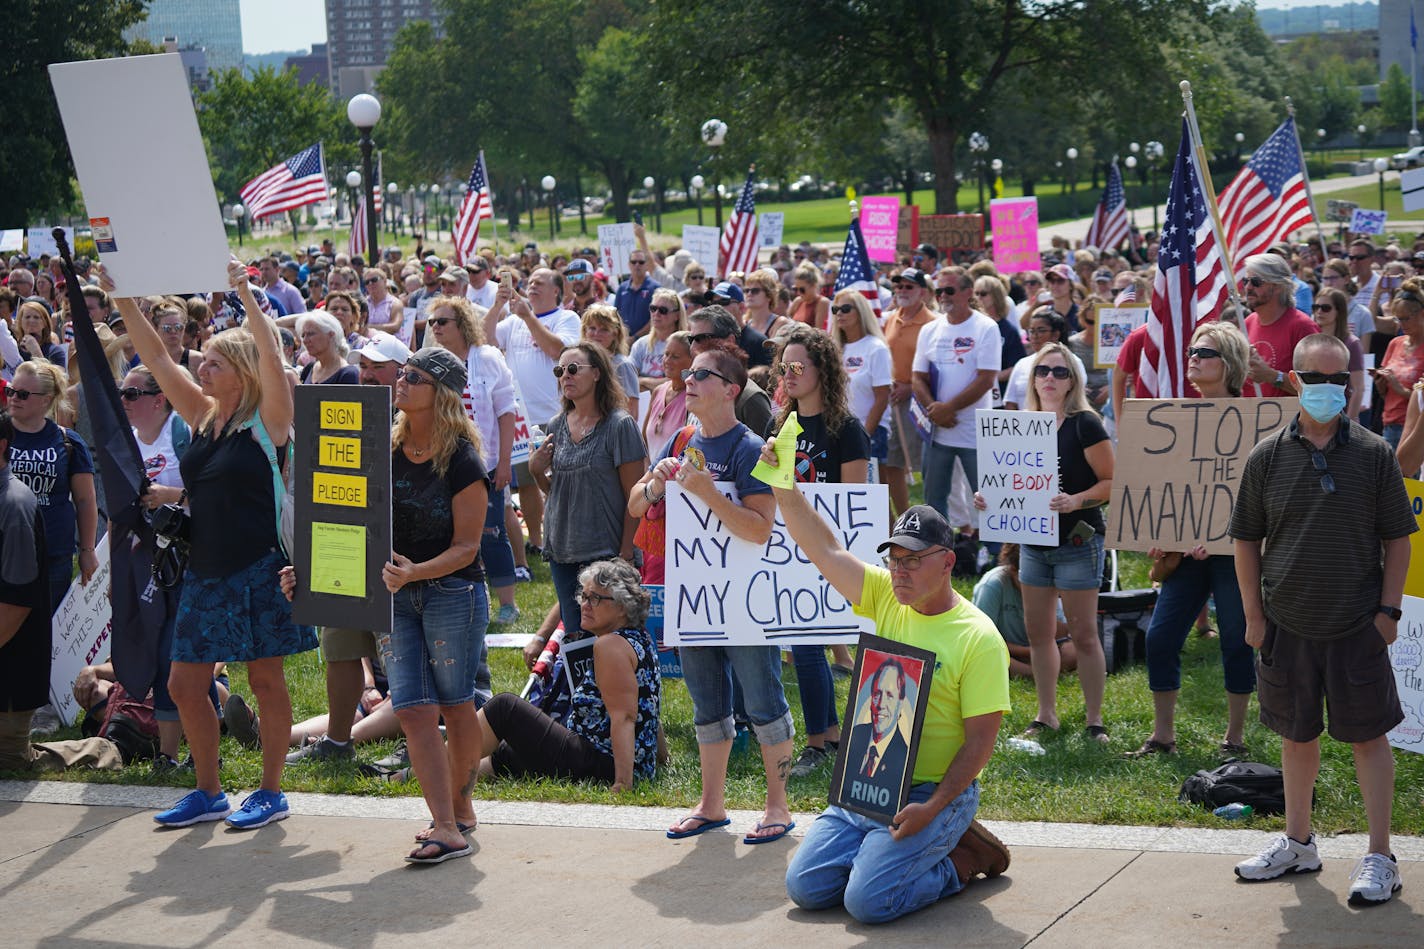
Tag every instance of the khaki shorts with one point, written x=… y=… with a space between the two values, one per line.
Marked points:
x=906 y=447
x=339 y=644
x=1351 y=676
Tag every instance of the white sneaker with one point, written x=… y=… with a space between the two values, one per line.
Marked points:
x=1374 y=880
x=1284 y=855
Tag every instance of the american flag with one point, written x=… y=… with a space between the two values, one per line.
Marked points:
x=1109 y=227
x=357 y=243
x=856 y=274
x=298 y=181
x=1267 y=200
x=475 y=208
x=1126 y=295
x=1190 y=283
x=739 y=240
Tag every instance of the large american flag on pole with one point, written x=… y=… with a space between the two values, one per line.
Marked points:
x=738 y=249
x=1109 y=227
x=298 y=181
x=1191 y=283
x=856 y=273
x=474 y=208
x=1267 y=199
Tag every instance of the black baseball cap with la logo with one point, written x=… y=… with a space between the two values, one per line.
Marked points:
x=919 y=528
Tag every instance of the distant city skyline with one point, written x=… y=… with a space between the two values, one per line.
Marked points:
x=270 y=26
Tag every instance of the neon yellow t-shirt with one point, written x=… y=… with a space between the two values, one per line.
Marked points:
x=971 y=675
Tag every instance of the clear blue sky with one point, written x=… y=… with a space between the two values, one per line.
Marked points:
x=272 y=25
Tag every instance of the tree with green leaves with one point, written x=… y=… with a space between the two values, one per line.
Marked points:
x=34 y=158
x=1396 y=105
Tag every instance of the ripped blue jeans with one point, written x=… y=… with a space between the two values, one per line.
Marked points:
x=433 y=653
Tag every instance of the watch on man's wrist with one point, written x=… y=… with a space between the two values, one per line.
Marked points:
x=1280 y=378
x=1393 y=612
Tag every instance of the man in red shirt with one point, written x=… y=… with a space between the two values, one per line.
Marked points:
x=1274 y=326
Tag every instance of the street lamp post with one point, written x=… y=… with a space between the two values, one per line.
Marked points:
x=978 y=146
x=997 y=167
x=1131 y=162
x=1380 y=166
x=549 y=184
x=1320 y=137
x=1154 y=154
x=1360 y=131
x=410 y=208
x=714 y=136
x=1240 y=138
x=1072 y=154
x=651 y=184
x=364 y=111
x=238 y=213
x=698 y=183
x=392 y=195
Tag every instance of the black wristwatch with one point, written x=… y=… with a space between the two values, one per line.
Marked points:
x=1393 y=612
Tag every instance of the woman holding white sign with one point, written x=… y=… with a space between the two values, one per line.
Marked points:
x=726 y=450
x=1217 y=364
x=1073 y=570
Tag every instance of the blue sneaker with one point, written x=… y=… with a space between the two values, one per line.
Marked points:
x=259 y=809
x=195 y=808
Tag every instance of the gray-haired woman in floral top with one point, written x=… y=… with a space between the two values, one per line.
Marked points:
x=611 y=733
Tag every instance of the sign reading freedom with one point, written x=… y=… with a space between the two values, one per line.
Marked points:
x=1178 y=468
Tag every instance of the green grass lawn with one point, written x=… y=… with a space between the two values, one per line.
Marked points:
x=1076 y=781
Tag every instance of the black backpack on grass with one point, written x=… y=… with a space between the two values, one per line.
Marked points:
x=1247 y=782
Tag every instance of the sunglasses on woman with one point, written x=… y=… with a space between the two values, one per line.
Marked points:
x=1057 y=372
x=134 y=393
x=573 y=369
x=842 y=308
x=793 y=368
x=664 y=310
x=701 y=375
x=1324 y=308
x=441 y=320
x=1203 y=352
x=19 y=395
x=416 y=379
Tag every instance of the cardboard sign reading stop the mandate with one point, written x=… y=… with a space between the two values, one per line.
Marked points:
x=343 y=506
x=1178 y=469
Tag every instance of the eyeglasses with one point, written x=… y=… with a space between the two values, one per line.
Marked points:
x=1040 y=330
x=172 y=329
x=374 y=280
x=20 y=395
x=1057 y=372
x=982 y=293
x=659 y=308
x=1317 y=458
x=946 y=291
x=793 y=368
x=441 y=320
x=572 y=369
x=638 y=263
x=1360 y=256
x=1033 y=283
x=1252 y=282
x=1057 y=279
x=1203 y=352
x=701 y=375
x=910 y=563
x=1324 y=308
x=416 y=379
x=134 y=393
x=697 y=338
x=597 y=599
x=750 y=290
x=842 y=308
x=1316 y=378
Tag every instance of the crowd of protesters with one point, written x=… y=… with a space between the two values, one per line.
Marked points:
x=885 y=384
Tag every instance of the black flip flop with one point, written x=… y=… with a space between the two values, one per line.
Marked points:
x=443 y=852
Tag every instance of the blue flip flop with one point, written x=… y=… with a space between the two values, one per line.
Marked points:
x=706 y=824
x=785 y=829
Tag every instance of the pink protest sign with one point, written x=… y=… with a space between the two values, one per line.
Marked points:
x=1015 y=225
x=880 y=223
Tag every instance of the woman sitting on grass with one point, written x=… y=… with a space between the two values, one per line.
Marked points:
x=1000 y=595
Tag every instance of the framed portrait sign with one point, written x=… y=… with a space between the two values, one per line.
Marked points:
x=1112 y=326
x=884 y=716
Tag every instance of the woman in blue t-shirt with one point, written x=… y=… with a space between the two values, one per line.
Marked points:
x=55 y=463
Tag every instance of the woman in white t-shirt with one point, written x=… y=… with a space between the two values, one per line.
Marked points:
x=667 y=316
x=866 y=358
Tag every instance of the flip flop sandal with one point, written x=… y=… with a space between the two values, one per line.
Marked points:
x=1153 y=747
x=705 y=824
x=442 y=853
x=1230 y=748
x=785 y=829
x=1097 y=733
x=463 y=828
x=1036 y=728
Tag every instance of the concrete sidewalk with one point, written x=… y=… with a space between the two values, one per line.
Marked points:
x=83 y=865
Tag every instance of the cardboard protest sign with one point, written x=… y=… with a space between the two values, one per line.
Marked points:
x=1178 y=467
x=154 y=213
x=907 y=235
x=1406 y=654
x=1411 y=189
x=615 y=243
x=1014 y=222
x=81 y=631
x=770 y=225
x=12 y=238
x=880 y=223
x=724 y=591
x=342 y=454
x=885 y=713
x=1018 y=475
x=1341 y=211
x=578 y=661
x=951 y=232
x=1364 y=221
x=40 y=241
x=1112 y=324
x=702 y=243
x=525 y=435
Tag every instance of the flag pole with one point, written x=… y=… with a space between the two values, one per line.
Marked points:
x=1305 y=175
x=1204 y=174
x=494 y=218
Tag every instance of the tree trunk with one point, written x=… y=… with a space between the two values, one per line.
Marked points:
x=909 y=183
x=1028 y=186
x=618 y=184
x=943 y=137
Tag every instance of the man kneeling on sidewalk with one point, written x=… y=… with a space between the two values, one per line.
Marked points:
x=933 y=846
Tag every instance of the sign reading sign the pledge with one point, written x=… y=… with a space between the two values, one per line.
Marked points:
x=1179 y=464
x=724 y=591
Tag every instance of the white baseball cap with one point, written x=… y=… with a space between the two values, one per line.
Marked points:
x=384 y=348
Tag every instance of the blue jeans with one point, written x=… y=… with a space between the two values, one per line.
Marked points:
x=495 y=552
x=938 y=470
x=433 y=652
x=565 y=577
x=852 y=860
x=707 y=671
x=818 y=690
x=1393 y=433
x=1181 y=599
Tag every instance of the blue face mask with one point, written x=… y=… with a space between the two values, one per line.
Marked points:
x=1322 y=401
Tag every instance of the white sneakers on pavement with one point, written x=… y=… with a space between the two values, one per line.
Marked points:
x=1374 y=880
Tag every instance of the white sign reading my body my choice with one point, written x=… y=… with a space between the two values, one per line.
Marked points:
x=1018 y=475
x=724 y=591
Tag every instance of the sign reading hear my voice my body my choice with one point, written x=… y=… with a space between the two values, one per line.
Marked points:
x=1018 y=475
x=1178 y=468
x=724 y=591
